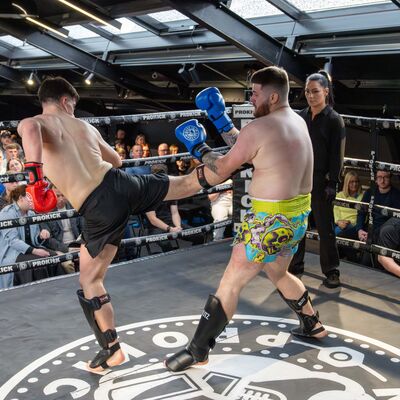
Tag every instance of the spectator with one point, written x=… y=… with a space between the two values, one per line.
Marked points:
x=183 y=167
x=5 y=197
x=24 y=242
x=162 y=150
x=141 y=139
x=121 y=152
x=15 y=165
x=385 y=195
x=146 y=150
x=3 y=164
x=63 y=233
x=137 y=152
x=121 y=139
x=327 y=133
x=389 y=237
x=221 y=208
x=5 y=139
x=173 y=149
x=13 y=150
x=166 y=218
x=346 y=218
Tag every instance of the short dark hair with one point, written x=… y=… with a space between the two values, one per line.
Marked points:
x=52 y=89
x=272 y=76
x=17 y=192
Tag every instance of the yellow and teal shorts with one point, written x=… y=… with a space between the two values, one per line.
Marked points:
x=271 y=229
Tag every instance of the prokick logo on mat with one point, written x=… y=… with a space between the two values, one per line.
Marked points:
x=255 y=358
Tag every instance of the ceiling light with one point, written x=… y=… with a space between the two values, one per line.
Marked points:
x=84 y=12
x=31 y=80
x=37 y=22
x=88 y=79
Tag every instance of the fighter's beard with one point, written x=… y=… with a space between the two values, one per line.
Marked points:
x=262 y=111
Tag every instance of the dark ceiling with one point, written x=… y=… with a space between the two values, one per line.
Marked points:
x=164 y=66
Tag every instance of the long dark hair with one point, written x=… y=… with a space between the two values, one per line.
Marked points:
x=325 y=80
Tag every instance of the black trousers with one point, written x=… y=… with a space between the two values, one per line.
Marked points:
x=322 y=213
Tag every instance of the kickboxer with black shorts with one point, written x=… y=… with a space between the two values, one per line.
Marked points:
x=74 y=156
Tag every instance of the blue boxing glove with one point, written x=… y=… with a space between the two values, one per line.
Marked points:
x=211 y=100
x=193 y=135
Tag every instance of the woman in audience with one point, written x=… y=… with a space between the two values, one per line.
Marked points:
x=146 y=150
x=14 y=166
x=346 y=218
x=121 y=152
x=24 y=242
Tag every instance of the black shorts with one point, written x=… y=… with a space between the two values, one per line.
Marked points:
x=107 y=209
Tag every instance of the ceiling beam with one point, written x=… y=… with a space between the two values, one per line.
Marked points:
x=289 y=9
x=149 y=23
x=99 y=31
x=10 y=74
x=220 y=20
x=396 y=2
x=86 y=61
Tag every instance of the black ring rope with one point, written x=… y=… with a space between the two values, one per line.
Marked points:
x=138 y=241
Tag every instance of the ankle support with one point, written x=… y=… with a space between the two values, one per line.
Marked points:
x=89 y=306
x=212 y=323
x=307 y=322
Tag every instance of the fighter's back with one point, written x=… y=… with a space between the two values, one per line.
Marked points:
x=283 y=158
x=72 y=155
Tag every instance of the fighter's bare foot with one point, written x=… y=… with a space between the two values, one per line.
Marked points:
x=115 y=359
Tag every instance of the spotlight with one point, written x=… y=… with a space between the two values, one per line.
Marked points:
x=88 y=79
x=31 y=80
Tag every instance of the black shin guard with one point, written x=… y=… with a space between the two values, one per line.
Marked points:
x=89 y=306
x=212 y=323
x=307 y=322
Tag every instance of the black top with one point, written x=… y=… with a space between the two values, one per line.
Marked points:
x=327 y=133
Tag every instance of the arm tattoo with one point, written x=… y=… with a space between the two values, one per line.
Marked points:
x=209 y=160
x=230 y=138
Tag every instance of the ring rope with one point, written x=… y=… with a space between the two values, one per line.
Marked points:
x=138 y=241
x=349 y=120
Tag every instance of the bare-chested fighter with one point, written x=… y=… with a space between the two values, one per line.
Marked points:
x=83 y=166
x=277 y=143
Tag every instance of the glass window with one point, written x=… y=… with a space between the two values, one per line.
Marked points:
x=168 y=16
x=79 y=32
x=253 y=8
x=11 y=40
x=319 y=5
x=128 y=26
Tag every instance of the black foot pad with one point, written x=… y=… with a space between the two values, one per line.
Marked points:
x=181 y=361
x=308 y=334
x=102 y=356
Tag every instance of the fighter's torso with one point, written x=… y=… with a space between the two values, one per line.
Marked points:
x=283 y=162
x=71 y=156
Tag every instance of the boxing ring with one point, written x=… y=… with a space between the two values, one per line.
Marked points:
x=158 y=300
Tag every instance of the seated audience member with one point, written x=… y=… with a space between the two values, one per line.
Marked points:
x=385 y=195
x=183 y=167
x=122 y=140
x=166 y=218
x=64 y=233
x=221 y=208
x=173 y=149
x=162 y=150
x=3 y=164
x=141 y=139
x=5 y=139
x=13 y=150
x=15 y=165
x=121 y=152
x=389 y=237
x=346 y=218
x=146 y=150
x=137 y=152
x=24 y=242
x=5 y=197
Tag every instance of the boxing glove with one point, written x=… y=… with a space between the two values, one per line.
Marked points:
x=211 y=100
x=193 y=135
x=43 y=199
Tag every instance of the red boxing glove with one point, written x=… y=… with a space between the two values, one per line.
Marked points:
x=43 y=200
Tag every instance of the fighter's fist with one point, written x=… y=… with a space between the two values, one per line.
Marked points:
x=211 y=100
x=193 y=135
x=43 y=199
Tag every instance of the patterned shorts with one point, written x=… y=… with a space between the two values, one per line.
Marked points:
x=272 y=229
